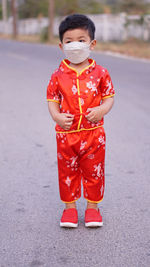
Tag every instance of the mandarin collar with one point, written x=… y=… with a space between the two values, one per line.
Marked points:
x=65 y=67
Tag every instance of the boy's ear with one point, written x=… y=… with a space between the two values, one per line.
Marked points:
x=61 y=46
x=93 y=44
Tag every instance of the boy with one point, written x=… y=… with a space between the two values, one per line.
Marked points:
x=79 y=94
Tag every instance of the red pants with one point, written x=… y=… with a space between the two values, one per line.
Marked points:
x=81 y=155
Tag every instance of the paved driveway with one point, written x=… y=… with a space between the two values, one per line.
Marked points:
x=30 y=208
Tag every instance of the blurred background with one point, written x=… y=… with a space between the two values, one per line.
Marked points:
x=122 y=25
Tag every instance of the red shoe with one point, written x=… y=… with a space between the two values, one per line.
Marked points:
x=69 y=218
x=93 y=218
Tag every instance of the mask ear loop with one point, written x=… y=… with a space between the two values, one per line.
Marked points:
x=90 y=44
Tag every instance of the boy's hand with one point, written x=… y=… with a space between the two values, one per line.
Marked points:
x=64 y=120
x=95 y=114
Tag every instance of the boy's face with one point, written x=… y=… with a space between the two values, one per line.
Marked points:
x=77 y=35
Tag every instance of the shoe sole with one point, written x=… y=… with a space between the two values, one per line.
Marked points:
x=68 y=225
x=93 y=224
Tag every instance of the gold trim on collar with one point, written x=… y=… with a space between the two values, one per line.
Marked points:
x=78 y=73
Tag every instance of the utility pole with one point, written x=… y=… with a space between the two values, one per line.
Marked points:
x=51 y=20
x=14 y=15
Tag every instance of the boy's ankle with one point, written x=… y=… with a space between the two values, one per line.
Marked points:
x=70 y=206
x=91 y=205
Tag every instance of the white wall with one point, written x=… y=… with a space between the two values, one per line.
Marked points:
x=108 y=27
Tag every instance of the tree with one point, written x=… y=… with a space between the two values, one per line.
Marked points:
x=14 y=15
x=1 y=11
x=66 y=7
x=32 y=8
x=51 y=20
x=78 y=6
x=4 y=10
x=133 y=6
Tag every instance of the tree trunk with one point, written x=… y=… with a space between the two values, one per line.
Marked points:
x=14 y=15
x=4 y=10
x=4 y=14
x=51 y=20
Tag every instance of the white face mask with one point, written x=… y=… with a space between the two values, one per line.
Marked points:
x=76 y=52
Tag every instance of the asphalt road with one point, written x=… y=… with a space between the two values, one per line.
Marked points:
x=30 y=208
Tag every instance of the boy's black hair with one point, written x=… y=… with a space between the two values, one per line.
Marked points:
x=77 y=21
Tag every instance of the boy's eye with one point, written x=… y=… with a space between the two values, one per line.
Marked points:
x=68 y=42
x=81 y=40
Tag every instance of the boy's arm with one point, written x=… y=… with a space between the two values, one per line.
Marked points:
x=64 y=120
x=97 y=113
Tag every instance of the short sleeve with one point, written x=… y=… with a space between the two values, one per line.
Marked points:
x=107 y=88
x=52 y=90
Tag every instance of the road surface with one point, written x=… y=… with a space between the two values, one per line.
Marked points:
x=30 y=208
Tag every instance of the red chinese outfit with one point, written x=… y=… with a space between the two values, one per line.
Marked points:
x=81 y=150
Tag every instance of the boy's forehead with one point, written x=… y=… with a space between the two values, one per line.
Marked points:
x=76 y=33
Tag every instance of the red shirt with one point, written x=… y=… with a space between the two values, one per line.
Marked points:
x=76 y=92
